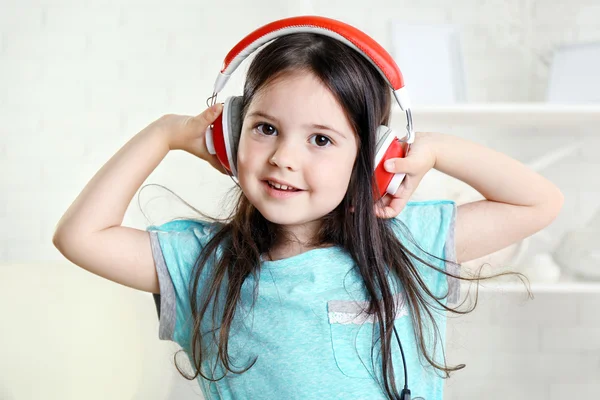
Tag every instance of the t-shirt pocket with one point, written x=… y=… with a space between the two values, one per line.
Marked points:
x=352 y=334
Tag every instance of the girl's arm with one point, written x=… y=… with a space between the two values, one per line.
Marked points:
x=90 y=233
x=519 y=202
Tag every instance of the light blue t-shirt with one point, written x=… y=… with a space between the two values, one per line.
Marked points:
x=306 y=326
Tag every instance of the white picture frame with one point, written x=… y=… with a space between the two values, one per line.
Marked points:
x=431 y=62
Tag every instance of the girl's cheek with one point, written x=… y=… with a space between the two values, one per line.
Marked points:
x=245 y=145
x=252 y=151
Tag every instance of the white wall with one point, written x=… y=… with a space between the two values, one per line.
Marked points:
x=79 y=78
x=515 y=348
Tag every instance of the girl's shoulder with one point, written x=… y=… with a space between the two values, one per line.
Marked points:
x=422 y=204
x=185 y=226
x=184 y=236
x=426 y=211
x=430 y=222
x=430 y=225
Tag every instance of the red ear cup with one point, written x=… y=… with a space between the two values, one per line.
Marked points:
x=219 y=142
x=390 y=147
x=226 y=133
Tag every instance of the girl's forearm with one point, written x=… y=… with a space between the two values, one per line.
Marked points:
x=104 y=200
x=493 y=174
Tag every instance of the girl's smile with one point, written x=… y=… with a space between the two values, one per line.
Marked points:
x=280 y=192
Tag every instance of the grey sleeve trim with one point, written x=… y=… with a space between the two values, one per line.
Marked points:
x=450 y=254
x=165 y=301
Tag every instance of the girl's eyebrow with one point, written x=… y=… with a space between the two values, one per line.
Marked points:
x=309 y=126
x=327 y=128
x=263 y=115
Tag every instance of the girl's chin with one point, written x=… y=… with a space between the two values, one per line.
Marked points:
x=280 y=218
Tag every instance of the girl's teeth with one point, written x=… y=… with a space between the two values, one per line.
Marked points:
x=280 y=187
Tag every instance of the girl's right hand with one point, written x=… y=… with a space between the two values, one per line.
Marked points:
x=186 y=132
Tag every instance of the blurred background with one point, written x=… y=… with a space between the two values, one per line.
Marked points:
x=78 y=79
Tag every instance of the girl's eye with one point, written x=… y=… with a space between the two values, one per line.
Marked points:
x=266 y=129
x=321 y=141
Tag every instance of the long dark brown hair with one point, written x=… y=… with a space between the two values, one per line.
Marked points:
x=377 y=252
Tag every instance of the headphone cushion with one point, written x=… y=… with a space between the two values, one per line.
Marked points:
x=381 y=136
x=234 y=125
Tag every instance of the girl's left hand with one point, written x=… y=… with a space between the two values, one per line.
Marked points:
x=420 y=159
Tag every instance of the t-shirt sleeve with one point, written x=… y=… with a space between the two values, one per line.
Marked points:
x=176 y=247
x=431 y=224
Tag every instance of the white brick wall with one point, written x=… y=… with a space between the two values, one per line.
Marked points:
x=513 y=347
x=79 y=78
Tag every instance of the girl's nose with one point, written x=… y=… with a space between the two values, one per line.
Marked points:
x=286 y=155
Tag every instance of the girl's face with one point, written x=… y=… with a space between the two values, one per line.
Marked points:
x=295 y=133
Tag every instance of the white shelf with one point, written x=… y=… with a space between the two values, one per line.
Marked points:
x=559 y=287
x=503 y=114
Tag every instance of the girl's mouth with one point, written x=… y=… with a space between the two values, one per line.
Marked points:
x=285 y=188
x=280 y=191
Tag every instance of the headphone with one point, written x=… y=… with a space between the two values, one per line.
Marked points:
x=222 y=137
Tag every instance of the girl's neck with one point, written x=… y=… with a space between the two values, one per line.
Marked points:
x=287 y=250
x=293 y=240
x=290 y=250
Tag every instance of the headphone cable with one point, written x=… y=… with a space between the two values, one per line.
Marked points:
x=405 y=394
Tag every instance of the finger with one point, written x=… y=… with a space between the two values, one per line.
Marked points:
x=391 y=210
x=381 y=212
x=391 y=205
x=384 y=212
x=209 y=115
x=399 y=165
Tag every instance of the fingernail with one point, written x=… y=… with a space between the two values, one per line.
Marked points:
x=216 y=108
x=389 y=165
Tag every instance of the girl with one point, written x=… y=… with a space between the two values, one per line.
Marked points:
x=298 y=294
